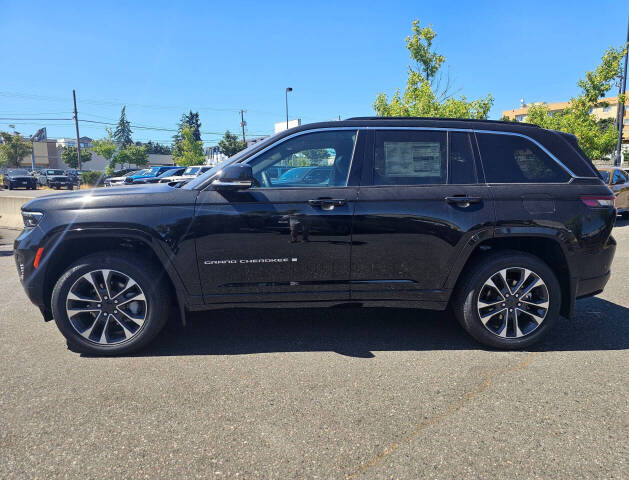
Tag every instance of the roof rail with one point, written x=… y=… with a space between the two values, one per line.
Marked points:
x=503 y=122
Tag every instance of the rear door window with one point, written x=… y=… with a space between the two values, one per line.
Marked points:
x=462 y=167
x=410 y=157
x=515 y=159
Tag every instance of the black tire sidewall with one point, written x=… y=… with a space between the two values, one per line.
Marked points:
x=467 y=298
x=147 y=277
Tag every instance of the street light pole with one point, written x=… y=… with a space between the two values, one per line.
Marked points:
x=242 y=124
x=288 y=89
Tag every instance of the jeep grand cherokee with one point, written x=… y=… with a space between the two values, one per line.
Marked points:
x=506 y=224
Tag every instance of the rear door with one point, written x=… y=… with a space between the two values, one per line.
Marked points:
x=421 y=202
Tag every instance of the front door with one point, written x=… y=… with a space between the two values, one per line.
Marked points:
x=288 y=237
x=420 y=204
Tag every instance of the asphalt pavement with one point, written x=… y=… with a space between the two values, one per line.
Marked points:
x=318 y=393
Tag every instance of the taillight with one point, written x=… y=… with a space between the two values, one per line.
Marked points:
x=598 y=201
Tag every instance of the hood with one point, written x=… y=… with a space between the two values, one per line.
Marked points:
x=112 y=197
x=19 y=177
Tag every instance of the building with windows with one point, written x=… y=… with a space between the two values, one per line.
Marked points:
x=603 y=112
x=86 y=142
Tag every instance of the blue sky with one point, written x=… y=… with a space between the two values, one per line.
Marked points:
x=161 y=58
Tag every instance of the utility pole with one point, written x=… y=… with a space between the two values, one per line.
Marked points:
x=242 y=124
x=621 y=106
x=288 y=89
x=76 y=124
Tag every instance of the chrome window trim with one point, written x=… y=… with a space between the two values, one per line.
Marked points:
x=535 y=142
x=444 y=129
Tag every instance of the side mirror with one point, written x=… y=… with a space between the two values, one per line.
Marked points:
x=234 y=177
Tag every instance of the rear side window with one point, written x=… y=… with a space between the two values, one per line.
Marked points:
x=408 y=157
x=514 y=159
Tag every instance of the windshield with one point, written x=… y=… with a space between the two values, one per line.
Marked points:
x=195 y=182
x=54 y=172
x=191 y=170
x=605 y=175
x=135 y=172
x=18 y=172
x=168 y=173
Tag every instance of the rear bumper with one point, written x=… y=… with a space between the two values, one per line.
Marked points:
x=591 y=286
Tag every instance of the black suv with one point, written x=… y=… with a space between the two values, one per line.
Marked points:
x=506 y=224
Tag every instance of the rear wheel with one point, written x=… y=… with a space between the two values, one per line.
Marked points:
x=110 y=303
x=509 y=300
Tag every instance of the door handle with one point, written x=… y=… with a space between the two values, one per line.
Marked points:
x=462 y=201
x=327 y=203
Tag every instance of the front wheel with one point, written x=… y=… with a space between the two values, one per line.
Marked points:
x=110 y=303
x=508 y=300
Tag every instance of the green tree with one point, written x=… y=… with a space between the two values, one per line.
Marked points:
x=133 y=155
x=596 y=138
x=13 y=149
x=190 y=119
x=317 y=156
x=70 y=157
x=427 y=94
x=106 y=147
x=230 y=144
x=189 y=151
x=122 y=134
x=156 y=147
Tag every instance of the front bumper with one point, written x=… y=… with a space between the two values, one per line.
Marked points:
x=32 y=279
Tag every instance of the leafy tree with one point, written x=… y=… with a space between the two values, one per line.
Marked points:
x=13 y=149
x=596 y=138
x=122 y=134
x=425 y=94
x=157 y=148
x=189 y=151
x=230 y=144
x=190 y=119
x=317 y=156
x=70 y=156
x=133 y=155
x=106 y=147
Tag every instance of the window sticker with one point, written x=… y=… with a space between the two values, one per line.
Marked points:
x=412 y=159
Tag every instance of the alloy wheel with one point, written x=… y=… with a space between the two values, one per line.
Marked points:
x=513 y=302
x=106 y=307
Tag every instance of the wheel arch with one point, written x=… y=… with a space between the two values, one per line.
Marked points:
x=546 y=248
x=68 y=246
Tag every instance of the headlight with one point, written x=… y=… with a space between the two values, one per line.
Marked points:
x=31 y=219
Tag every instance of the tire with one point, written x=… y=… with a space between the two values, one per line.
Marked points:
x=528 y=321
x=10 y=187
x=116 y=334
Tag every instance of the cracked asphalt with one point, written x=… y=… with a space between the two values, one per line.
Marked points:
x=330 y=394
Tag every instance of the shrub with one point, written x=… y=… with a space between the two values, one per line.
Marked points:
x=93 y=177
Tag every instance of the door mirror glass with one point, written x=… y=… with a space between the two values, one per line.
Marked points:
x=234 y=177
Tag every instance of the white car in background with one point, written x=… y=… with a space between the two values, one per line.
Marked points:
x=116 y=181
x=188 y=174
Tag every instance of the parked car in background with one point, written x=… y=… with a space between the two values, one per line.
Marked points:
x=120 y=176
x=147 y=173
x=56 y=179
x=172 y=172
x=504 y=224
x=618 y=180
x=18 y=178
x=188 y=174
x=304 y=175
x=75 y=175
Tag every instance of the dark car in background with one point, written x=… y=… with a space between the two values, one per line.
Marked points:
x=618 y=180
x=504 y=224
x=18 y=178
x=172 y=172
x=55 y=178
x=149 y=172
